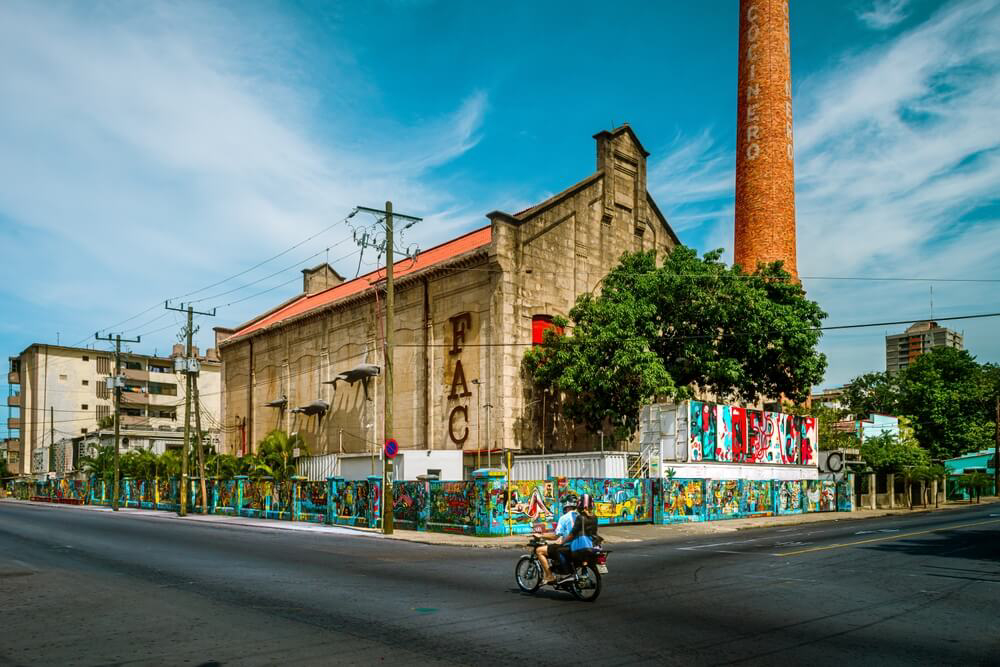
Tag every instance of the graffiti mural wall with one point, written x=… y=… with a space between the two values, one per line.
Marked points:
x=757 y=497
x=788 y=496
x=683 y=500
x=410 y=505
x=531 y=502
x=722 y=499
x=454 y=506
x=312 y=501
x=615 y=500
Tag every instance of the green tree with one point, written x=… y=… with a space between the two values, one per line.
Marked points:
x=100 y=463
x=975 y=483
x=948 y=397
x=889 y=453
x=276 y=456
x=872 y=393
x=691 y=325
x=223 y=466
x=829 y=425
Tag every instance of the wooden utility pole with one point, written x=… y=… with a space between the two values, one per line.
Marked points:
x=388 y=247
x=190 y=370
x=119 y=381
x=390 y=304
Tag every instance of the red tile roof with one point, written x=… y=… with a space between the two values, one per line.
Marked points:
x=306 y=303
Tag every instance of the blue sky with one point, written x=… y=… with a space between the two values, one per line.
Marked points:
x=151 y=149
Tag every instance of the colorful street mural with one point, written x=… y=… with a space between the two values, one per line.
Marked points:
x=410 y=505
x=722 y=499
x=788 y=495
x=352 y=503
x=487 y=505
x=683 y=500
x=615 y=500
x=757 y=497
x=531 y=502
x=727 y=433
x=312 y=501
x=454 y=506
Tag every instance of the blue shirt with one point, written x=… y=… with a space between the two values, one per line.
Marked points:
x=565 y=525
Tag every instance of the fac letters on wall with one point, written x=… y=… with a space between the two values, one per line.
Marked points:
x=459 y=332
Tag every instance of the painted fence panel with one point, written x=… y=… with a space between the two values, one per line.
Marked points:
x=530 y=502
x=410 y=505
x=683 y=500
x=788 y=496
x=757 y=497
x=311 y=498
x=454 y=506
x=615 y=500
x=226 y=492
x=722 y=499
x=351 y=505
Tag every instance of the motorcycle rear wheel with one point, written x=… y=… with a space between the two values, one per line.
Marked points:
x=588 y=584
x=528 y=574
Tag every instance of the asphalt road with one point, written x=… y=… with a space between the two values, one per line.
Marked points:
x=86 y=587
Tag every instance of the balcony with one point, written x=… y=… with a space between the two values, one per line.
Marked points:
x=14 y=400
x=129 y=420
x=14 y=423
x=14 y=377
x=139 y=375
x=135 y=397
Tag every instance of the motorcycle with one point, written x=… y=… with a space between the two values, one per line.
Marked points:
x=579 y=573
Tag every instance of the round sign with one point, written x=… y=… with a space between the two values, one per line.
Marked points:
x=391 y=448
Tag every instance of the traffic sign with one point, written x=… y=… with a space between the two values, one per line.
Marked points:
x=391 y=448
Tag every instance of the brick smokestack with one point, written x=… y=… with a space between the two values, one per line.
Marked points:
x=765 y=167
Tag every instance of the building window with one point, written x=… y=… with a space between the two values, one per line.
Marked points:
x=539 y=324
x=162 y=389
x=83 y=431
x=85 y=382
x=104 y=365
x=86 y=358
x=133 y=365
x=103 y=412
x=84 y=407
x=63 y=377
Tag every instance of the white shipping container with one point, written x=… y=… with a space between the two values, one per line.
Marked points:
x=612 y=465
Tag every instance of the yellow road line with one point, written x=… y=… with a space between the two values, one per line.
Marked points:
x=887 y=537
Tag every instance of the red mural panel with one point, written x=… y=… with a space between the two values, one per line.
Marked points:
x=740 y=435
x=756 y=437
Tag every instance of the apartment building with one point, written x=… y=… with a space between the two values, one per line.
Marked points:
x=59 y=392
x=901 y=350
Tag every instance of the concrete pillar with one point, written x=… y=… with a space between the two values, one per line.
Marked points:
x=332 y=491
x=934 y=491
x=872 y=487
x=490 y=517
x=240 y=490
x=891 y=486
x=375 y=501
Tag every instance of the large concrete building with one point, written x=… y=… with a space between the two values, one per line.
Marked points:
x=59 y=392
x=466 y=310
x=901 y=350
x=765 y=152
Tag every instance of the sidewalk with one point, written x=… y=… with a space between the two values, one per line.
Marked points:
x=612 y=534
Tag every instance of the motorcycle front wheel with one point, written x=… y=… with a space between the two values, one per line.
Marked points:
x=528 y=574
x=588 y=583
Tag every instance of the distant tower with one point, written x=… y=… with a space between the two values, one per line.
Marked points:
x=765 y=168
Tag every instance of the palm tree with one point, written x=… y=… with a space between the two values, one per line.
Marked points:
x=277 y=454
x=225 y=466
x=100 y=463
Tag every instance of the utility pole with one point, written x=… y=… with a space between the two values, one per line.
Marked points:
x=190 y=369
x=118 y=383
x=389 y=249
x=996 y=453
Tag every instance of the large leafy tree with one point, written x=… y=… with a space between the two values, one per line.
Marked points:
x=690 y=325
x=946 y=394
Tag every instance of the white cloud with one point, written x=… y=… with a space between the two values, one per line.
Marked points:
x=149 y=149
x=883 y=14
x=897 y=161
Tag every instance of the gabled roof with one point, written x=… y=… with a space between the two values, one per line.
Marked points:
x=304 y=304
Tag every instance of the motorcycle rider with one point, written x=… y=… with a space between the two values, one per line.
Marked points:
x=558 y=540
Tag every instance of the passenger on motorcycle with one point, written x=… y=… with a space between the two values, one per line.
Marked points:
x=584 y=532
x=559 y=539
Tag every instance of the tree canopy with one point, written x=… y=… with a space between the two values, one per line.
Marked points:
x=888 y=452
x=691 y=325
x=947 y=395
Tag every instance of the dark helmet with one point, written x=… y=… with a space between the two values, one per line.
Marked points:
x=570 y=502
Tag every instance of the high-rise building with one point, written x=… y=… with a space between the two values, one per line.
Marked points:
x=902 y=349
x=765 y=166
